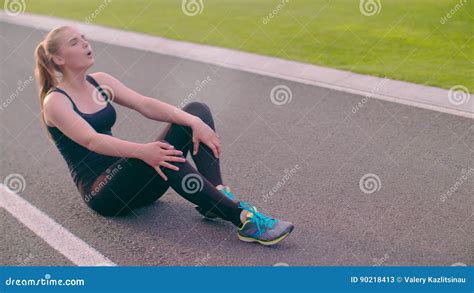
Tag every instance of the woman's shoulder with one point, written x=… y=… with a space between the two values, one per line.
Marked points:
x=53 y=97
x=101 y=77
x=55 y=101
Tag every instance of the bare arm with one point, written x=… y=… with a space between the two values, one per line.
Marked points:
x=161 y=111
x=113 y=146
x=148 y=107
x=157 y=154
x=62 y=115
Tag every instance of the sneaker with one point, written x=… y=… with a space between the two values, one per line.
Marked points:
x=263 y=229
x=248 y=207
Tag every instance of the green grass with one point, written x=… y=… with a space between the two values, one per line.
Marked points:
x=405 y=41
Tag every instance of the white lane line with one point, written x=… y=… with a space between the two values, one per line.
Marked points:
x=66 y=243
x=411 y=94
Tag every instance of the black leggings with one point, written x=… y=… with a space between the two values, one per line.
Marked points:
x=130 y=183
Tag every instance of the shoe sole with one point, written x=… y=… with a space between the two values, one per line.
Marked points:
x=263 y=242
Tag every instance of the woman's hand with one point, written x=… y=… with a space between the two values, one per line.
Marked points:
x=158 y=153
x=205 y=134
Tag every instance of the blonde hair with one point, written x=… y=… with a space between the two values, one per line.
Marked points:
x=46 y=69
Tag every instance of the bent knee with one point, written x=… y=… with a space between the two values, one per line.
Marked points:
x=199 y=109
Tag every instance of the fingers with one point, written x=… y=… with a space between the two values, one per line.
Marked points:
x=168 y=165
x=174 y=159
x=215 y=146
x=214 y=149
x=173 y=153
x=219 y=150
x=158 y=170
x=165 y=145
x=195 y=146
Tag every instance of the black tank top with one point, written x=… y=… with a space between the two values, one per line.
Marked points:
x=84 y=165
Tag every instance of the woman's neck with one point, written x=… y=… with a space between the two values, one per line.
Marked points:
x=75 y=81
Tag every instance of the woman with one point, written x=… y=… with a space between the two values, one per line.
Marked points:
x=115 y=176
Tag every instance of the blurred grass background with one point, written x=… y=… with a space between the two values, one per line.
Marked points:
x=405 y=40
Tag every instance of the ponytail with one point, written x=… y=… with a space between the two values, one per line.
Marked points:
x=45 y=74
x=46 y=69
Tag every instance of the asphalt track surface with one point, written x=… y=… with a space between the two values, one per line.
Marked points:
x=418 y=155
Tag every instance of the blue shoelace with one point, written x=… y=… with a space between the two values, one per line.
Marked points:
x=248 y=207
x=263 y=223
x=228 y=193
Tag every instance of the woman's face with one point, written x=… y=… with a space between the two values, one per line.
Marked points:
x=75 y=51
